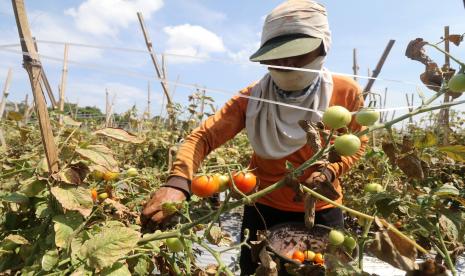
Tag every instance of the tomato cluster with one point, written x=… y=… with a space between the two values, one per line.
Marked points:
x=208 y=185
x=307 y=255
x=337 y=238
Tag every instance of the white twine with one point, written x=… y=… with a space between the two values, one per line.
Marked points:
x=194 y=86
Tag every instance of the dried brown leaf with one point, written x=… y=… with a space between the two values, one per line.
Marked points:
x=411 y=166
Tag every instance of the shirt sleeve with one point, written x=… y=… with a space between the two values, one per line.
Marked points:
x=211 y=134
x=353 y=102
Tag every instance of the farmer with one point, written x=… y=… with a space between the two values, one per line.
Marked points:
x=295 y=34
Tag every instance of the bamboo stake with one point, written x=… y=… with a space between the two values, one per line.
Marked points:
x=149 y=102
x=64 y=77
x=34 y=68
x=107 y=109
x=44 y=81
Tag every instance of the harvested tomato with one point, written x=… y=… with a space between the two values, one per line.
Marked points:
x=336 y=117
x=319 y=259
x=204 y=185
x=93 y=193
x=347 y=144
x=298 y=256
x=309 y=255
x=244 y=181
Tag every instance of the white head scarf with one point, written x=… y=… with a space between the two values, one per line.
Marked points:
x=273 y=130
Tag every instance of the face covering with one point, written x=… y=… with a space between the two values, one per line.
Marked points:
x=296 y=80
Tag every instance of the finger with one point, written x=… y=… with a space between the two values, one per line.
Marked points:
x=151 y=209
x=158 y=217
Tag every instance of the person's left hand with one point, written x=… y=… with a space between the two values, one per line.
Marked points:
x=319 y=182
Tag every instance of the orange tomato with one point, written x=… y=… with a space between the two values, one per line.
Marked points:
x=205 y=185
x=319 y=259
x=298 y=256
x=244 y=181
x=93 y=193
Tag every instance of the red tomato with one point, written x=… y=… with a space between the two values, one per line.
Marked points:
x=245 y=182
x=298 y=256
x=205 y=186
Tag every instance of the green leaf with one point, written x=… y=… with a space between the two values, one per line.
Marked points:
x=64 y=226
x=74 y=198
x=447 y=190
x=118 y=269
x=12 y=241
x=385 y=203
x=16 y=198
x=49 y=260
x=449 y=227
x=119 y=135
x=143 y=266
x=426 y=141
x=32 y=186
x=456 y=152
x=105 y=248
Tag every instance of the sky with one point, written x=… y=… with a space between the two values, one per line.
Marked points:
x=221 y=34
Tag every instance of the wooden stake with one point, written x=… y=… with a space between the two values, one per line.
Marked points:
x=64 y=77
x=355 y=65
x=161 y=72
x=6 y=92
x=107 y=109
x=379 y=66
x=158 y=69
x=34 y=69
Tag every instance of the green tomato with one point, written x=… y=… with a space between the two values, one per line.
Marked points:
x=103 y=196
x=457 y=83
x=367 y=116
x=347 y=144
x=131 y=172
x=349 y=243
x=336 y=237
x=223 y=181
x=174 y=244
x=373 y=188
x=336 y=117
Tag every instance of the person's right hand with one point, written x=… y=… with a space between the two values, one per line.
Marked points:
x=152 y=213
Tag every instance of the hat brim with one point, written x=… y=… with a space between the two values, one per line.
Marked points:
x=286 y=47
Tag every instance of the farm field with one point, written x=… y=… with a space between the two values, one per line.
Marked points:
x=76 y=180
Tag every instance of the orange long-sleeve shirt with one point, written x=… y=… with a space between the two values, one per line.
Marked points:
x=230 y=120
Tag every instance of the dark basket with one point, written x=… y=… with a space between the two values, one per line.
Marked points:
x=285 y=238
